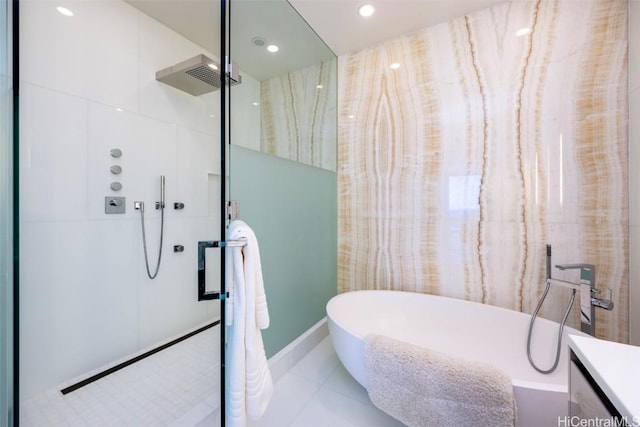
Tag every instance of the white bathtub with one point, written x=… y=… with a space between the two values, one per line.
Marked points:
x=479 y=332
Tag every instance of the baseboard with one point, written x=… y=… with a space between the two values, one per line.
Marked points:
x=286 y=358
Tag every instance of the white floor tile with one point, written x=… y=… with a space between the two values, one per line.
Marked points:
x=196 y=415
x=213 y=420
x=331 y=409
x=177 y=385
x=319 y=363
x=340 y=381
x=291 y=394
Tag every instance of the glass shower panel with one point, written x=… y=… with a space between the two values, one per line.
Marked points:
x=283 y=160
x=119 y=181
x=292 y=209
x=6 y=215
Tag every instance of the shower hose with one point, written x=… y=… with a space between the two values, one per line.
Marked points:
x=159 y=205
x=533 y=319
x=144 y=242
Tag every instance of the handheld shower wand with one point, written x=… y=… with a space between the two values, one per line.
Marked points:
x=162 y=190
x=159 y=205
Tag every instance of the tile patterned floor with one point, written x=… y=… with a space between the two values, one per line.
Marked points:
x=178 y=386
x=316 y=392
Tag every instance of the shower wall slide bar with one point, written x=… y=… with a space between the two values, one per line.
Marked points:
x=203 y=295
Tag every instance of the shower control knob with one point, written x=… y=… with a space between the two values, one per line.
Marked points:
x=178 y=206
x=116 y=186
x=115 y=152
x=114 y=202
x=115 y=169
x=178 y=248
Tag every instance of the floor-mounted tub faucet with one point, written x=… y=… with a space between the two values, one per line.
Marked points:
x=587 y=289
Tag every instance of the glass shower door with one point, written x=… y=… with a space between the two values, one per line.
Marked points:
x=6 y=216
x=119 y=180
x=283 y=160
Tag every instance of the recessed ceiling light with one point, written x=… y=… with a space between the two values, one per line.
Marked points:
x=213 y=66
x=258 y=41
x=395 y=66
x=273 y=48
x=366 y=10
x=319 y=86
x=64 y=11
x=523 y=31
x=255 y=104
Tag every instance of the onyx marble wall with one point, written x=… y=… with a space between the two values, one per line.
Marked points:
x=465 y=147
x=298 y=115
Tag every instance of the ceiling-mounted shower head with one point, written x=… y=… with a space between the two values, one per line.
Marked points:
x=196 y=76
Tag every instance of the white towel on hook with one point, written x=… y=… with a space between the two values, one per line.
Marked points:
x=250 y=383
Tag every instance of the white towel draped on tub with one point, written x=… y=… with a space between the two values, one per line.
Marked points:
x=422 y=387
x=249 y=381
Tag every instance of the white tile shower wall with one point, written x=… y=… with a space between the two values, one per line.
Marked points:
x=87 y=55
x=161 y=47
x=88 y=85
x=53 y=155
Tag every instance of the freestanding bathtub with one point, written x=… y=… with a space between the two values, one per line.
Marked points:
x=478 y=332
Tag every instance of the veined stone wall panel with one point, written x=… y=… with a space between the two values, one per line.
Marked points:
x=456 y=167
x=299 y=117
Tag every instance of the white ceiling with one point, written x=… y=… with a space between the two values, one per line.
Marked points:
x=339 y=25
x=336 y=22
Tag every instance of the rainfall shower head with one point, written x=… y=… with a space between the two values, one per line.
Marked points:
x=196 y=76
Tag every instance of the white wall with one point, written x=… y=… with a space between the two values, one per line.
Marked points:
x=634 y=171
x=85 y=296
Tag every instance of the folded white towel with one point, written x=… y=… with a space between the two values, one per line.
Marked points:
x=250 y=383
x=421 y=387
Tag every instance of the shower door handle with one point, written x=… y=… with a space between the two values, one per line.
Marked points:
x=203 y=295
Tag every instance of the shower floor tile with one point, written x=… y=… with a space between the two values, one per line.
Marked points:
x=178 y=386
x=316 y=392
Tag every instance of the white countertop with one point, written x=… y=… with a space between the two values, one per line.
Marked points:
x=615 y=368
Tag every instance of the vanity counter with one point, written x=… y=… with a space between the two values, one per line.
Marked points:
x=615 y=368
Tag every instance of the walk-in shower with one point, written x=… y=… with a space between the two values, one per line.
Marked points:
x=89 y=314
